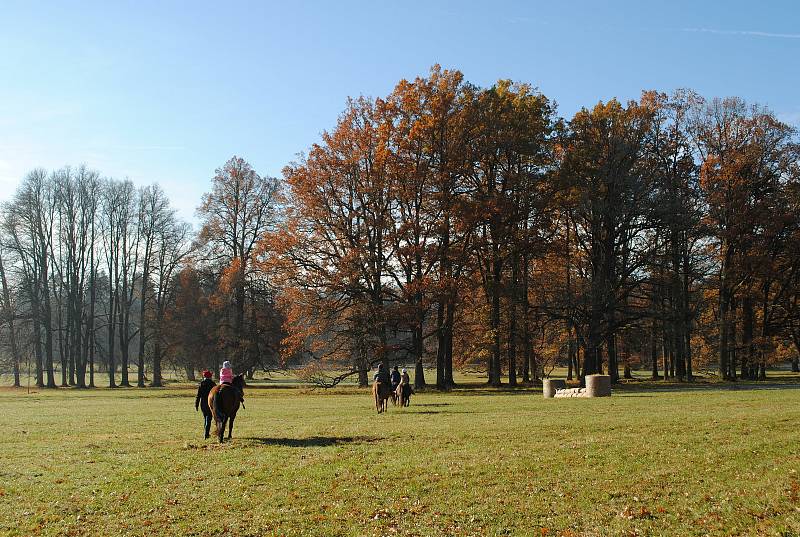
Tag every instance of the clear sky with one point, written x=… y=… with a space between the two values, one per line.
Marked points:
x=166 y=92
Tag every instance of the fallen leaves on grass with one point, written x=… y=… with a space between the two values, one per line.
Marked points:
x=633 y=513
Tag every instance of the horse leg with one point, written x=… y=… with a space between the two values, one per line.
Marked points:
x=221 y=428
x=230 y=427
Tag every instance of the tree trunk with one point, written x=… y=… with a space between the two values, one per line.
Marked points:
x=37 y=343
x=124 y=341
x=613 y=365
x=157 y=381
x=572 y=359
x=419 y=367
x=62 y=332
x=654 y=349
x=665 y=352
x=494 y=360
x=441 y=347
x=570 y=352
x=526 y=330
x=142 y=331
x=448 y=343
x=733 y=340
x=724 y=308
x=592 y=354
x=12 y=335
x=512 y=348
x=48 y=331
x=112 y=345
x=688 y=336
x=748 y=351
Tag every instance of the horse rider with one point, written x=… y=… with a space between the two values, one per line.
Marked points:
x=405 y=384
x=395 y=378
x=382 y=377
x=201 y=401
x=226 y=377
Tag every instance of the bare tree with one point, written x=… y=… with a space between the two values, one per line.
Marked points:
x=171 y=245
x=7 y=317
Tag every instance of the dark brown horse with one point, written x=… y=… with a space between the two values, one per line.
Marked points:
x=224 y=403
x=403 y=394
x=381 y=392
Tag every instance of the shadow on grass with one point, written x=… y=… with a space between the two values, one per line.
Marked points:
x=702 y=386
x=442 y=412
x=484 y=389
x=312 y=441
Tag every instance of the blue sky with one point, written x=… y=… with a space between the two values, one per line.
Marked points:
x=168 y=91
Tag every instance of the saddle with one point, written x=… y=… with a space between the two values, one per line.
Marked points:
x=224 y=385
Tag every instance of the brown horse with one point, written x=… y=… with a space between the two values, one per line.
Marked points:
x=403 y=394
x=381 y=392
x=224 y=403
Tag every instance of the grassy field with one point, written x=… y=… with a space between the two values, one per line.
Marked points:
x=651 y=460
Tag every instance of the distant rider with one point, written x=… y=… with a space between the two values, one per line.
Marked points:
x=405 y=385
x=395 y=378
x=382 y=376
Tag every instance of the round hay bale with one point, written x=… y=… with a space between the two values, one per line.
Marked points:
x=549 y=387
x=598 y=385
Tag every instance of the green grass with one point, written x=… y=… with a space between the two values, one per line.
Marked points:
x=470 y=462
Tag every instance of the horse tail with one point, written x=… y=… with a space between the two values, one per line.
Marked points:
x=218 y=405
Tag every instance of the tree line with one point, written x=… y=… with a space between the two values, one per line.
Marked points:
x=472 y=227
x=99 y=276
x=443 y=225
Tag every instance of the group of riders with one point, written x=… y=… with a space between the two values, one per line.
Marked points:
x=399 y=382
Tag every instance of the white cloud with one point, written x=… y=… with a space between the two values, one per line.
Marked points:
x=751 y=33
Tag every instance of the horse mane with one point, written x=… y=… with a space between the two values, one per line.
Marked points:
x=238 y=380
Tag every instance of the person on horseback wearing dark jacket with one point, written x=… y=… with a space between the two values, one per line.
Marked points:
x=382 y=376
x=201 y=401
x=395 y=378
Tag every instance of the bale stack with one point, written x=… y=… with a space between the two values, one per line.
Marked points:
x=571 y=392
x=596 y=386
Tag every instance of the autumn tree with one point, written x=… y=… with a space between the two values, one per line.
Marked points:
x=746 y=156
x=429 y=169
x=337 y=242
x=240 y=209
x=511 y=156
x=603 y=167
